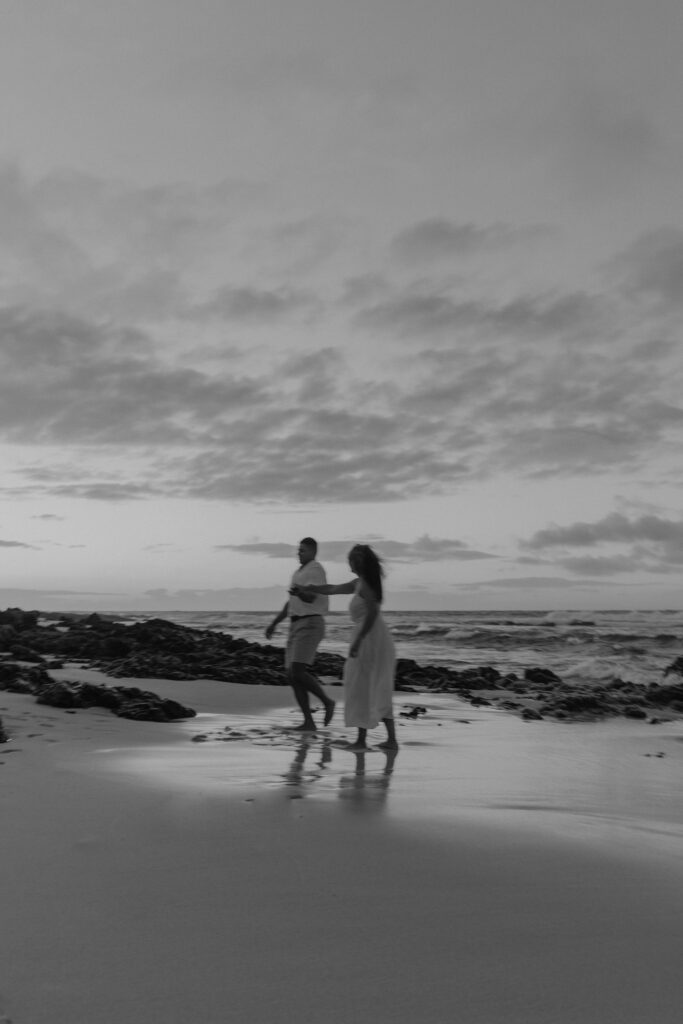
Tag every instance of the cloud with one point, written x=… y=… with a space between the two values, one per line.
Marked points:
x=604 y=566
x=648 y=544
x=595 y=137
x=257 y=305
x=321 y=425
x=419 y=312
x=106 y=492
x=531 y=583
x=66 y=600
x=16 y=544
x=612 y=528
x=438 y=238
x=260 y=389
x=101 y=248
x=423 y=549
x=652 y=267
x=609 y=137
x=64 y=379
x=363 y=289
x=320 y=465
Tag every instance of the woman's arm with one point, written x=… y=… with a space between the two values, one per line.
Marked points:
x=327 y=588
x=371 y=613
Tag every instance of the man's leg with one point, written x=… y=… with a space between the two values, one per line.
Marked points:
x=304 y=682
x=301 y=694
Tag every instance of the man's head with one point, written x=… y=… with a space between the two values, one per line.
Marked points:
x=308 y=549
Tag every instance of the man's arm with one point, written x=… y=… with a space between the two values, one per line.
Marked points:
x=277 y=620
x=312 y=574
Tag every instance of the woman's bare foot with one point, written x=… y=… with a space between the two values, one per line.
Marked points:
x=357 y=747
x=388 y=745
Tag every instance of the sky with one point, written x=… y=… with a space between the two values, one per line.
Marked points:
x=384 y=272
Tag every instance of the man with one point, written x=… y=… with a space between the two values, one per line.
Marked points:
x=306 y=629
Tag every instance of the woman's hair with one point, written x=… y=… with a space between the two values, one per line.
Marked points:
x=370 y=567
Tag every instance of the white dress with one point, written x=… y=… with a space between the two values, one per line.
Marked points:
x=369 y=677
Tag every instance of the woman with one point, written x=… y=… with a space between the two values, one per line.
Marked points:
x=369 y=669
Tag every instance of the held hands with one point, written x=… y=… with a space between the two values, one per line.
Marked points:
x=353 y=649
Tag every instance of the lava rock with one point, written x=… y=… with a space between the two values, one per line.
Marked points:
x=541 y=675
x=634 y=711
x=59 y=694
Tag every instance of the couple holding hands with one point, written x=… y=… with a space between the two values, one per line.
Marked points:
x=369 y=668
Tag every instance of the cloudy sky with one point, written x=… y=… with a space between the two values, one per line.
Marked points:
x=402 y=273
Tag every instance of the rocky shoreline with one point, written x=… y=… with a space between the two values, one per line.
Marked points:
x=160 y=649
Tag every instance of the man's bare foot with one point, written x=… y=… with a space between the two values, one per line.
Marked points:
x=329 y=712
x=387 y=745
x=305 y=727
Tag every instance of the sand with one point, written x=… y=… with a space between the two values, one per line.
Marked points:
x=494 y=871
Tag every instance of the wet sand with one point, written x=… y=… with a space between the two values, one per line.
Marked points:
x=224 y=868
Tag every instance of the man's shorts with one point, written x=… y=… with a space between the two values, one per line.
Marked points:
x=304 y=636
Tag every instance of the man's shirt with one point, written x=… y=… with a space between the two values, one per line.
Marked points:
x=314 y=574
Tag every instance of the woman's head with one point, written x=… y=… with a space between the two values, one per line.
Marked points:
x=366 y=564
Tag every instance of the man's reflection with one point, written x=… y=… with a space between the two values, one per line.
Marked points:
x=298 y=776
x=366 y=789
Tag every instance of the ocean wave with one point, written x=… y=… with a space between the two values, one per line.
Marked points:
x=422 y=629
x=632 y=646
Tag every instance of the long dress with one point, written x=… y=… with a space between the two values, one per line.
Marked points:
x=369 y=677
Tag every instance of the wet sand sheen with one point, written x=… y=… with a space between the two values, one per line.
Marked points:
x=253 y=879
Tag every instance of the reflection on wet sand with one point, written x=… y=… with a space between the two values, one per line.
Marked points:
x=299 y=776
x=236 y=753
x=366 y=789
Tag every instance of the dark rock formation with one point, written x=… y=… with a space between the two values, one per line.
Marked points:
x=541 y=675
x=59 y=694
x=18 y=619
x=124 y=701
x=666 y=696
x=157 y=648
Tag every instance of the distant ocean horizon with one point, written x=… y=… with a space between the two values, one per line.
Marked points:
x=580 y=646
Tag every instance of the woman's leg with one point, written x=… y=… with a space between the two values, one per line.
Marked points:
x=360 y=743
x=390 y=743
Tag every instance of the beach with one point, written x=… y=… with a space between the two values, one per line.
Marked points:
x=222 y=868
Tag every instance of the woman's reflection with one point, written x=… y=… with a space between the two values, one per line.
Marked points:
x=367 y=791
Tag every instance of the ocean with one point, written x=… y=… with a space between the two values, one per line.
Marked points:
x=581 y=647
